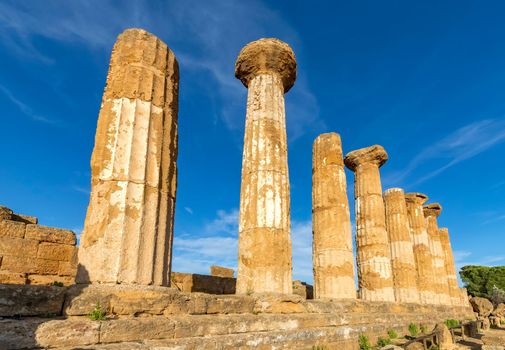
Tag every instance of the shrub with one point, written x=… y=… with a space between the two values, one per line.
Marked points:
x=423 y=328
x=364 y=343
x=381 y=342
x=497 y=295
x=97 y=314
x=392 y=334
x=413 y=330
x=318 y=347
x=450 y=323
x=58 y=284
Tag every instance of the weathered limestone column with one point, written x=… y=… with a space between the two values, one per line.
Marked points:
x=421 y=247
x=450 y=267
x=441 y=283
x=332 y=255
x=375 y=277
x=267 y=67
x=127 y=236
x=403 y=262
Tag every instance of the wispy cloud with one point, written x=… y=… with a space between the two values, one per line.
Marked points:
x=460 y=145
x=196 y=253
x=494 y=219
x=188 y=210
x=24 y=108
x=80 y=189
x=206 y=37
x=465 y=258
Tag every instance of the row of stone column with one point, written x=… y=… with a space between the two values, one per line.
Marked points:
x=402 y=255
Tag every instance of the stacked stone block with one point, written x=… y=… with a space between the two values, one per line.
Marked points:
x=128 y=232
x=332 y=255
x=403 y=262
x=441 y=284
x=267 y=68
x=375 y=276
x=450 y=266
x=35 y=254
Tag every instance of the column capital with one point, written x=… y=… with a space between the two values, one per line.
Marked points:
x=432 y=209
x=375 y=154
x=416 y=198
x=267 y=55
x=393 y=191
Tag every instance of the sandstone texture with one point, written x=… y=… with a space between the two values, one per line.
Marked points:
x=220 y=271
x=421 y=247
x=127 y=236
x=267 y=67
x=152 y=317
x=450 y=267
x=403 y=263
x=375 y=276
x=189 y=282
x=441 y=284
x=35 y=254
x=482 y=306
x=332 y=253
x=445 y=341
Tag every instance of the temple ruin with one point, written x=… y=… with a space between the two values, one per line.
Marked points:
x=125 y=295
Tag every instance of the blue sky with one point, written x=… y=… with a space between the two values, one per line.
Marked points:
x=424 y=79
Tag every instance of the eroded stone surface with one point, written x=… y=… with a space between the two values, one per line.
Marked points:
x=267 y=67
x=450 y=266
x=421 y=246
x=375 y=277
x=332 y=253
x=402 y=254
x=27 y=300
x=441 y=282
x=127 y=236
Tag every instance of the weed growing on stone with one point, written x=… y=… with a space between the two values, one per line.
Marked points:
x=381 y=342
x=392 y=334
x=318 y=347
x=413 y=330
x=58 y=284
x=97 y=314
x=423 y=329
x=364 y=343
x=451 y=323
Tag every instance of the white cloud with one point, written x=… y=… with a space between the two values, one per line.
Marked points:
x=225 y=222
x=462 y=144
x=189 y=210
x=24 y=108
x=206 y=37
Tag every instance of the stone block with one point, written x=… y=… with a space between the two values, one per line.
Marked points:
x=230 y=305
x=18 y=334
x=29 y=265
x=50 y=234
x=17 y=247
x=55 y=251
x=220 y=271
x=27 y=300
x=67 y=268
x=25 y=219
x=5 y=213
x=137 y=329
x=58 y=333
x=12 y=228
x=49 y=280
x=12 y=277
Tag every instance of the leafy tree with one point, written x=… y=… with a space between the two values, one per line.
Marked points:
x=480 y=280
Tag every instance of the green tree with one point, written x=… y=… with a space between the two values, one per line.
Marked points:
x=480 y=280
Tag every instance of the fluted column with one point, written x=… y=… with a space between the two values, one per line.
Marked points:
x=441 y=283
x=372 y=244
x=267 y=67
x=332 y=255
x=402 y=254
x=127 y=236
x=421 y=247
x=450 y=266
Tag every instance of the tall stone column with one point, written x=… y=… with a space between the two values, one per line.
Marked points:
x=375 y=277
x=127 y=236
x=421 y=247
x=403 y=262
x=333 y=258
x=267 y=67
x=441 y=283
x=450 y=267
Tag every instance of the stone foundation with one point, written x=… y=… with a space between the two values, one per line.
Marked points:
x=35 y=254
x=157 y=317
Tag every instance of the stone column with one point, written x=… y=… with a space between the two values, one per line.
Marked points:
x=267 y=67
x=450 y=267
x=332 y=255
x=441 y=283
x=403 y=263
x=421 y=247
x=372 y=245
x=127 y=236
